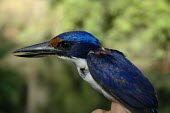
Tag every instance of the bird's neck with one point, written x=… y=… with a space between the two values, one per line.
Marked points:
x=79 y=62
x=81 y=65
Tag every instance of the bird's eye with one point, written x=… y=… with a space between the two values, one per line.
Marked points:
x=64 y=45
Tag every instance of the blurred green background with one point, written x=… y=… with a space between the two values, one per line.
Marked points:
x=140 y=29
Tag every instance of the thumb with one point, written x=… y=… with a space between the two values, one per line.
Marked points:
x=99 y=111
x=117 y=108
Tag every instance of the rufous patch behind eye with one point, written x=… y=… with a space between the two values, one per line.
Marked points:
x=102 y=52
x=54 y=42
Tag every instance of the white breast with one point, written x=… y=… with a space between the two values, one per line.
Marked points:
x=85 y=74
x=83 y=71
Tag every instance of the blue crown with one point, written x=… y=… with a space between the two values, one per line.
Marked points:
x=80 y=36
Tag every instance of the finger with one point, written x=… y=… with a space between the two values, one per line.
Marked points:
x=107 y=112
x=117 y=108
x=99 y=111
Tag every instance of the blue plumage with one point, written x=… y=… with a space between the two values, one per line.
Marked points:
x=80 y=36
x=122 y=79
x=81 y=43
x=106 y=70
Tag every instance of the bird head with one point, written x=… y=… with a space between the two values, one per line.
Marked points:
x=69 y=44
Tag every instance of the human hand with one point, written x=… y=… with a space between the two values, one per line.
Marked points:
x=115 y=108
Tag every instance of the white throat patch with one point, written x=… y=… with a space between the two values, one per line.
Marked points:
x=85 y=74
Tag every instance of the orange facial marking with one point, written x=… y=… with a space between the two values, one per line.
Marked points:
x=54 y=42
x=102 y=52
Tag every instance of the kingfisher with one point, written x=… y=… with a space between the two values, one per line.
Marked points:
x=106 y=70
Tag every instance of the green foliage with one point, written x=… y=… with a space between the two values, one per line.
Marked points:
x=140 y=29
x=11 y=92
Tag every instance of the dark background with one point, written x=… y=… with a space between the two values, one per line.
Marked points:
x=140 y=29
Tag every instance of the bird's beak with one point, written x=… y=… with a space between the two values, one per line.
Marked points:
x=37 y=50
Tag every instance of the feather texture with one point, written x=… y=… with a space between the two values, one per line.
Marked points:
x=120 y=78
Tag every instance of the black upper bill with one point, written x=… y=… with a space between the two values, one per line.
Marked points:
x=37 y=50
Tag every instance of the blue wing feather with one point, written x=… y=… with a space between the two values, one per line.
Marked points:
x=118 y=76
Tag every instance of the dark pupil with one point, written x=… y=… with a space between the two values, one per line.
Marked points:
x=65 y=45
